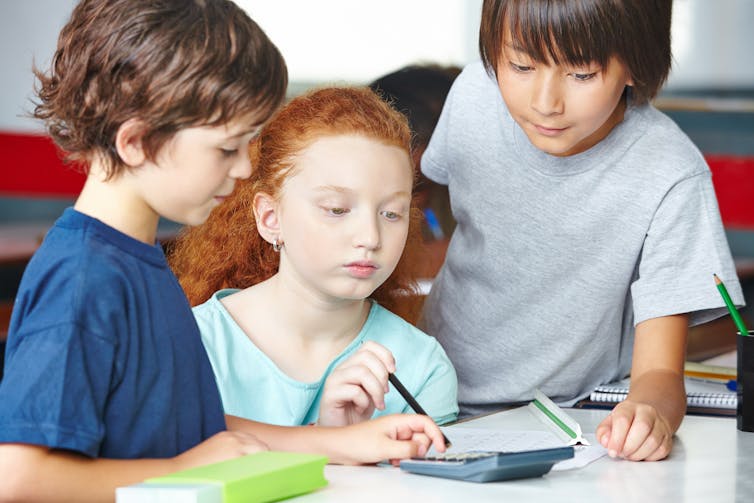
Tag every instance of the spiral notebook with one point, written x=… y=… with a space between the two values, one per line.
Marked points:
x=701 y=395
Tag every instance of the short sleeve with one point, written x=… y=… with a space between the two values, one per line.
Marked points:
x=434 y=161
x=684 y=246
x=55 y=389
x=439 y=393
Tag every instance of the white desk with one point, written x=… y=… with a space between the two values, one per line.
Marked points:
x=711 y=462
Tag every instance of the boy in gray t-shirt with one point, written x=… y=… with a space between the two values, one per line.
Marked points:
x=588 y=230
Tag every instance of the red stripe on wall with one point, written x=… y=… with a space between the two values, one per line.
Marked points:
x=33 y=167
x=733 y=178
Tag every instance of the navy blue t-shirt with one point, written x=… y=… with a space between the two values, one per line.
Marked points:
x=103 y=354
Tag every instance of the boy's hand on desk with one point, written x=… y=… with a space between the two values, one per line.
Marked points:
x=641 y=427
x=635 y=431
x=219 y=447
x=357 y=386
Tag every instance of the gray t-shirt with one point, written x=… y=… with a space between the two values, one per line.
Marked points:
x=555 y=259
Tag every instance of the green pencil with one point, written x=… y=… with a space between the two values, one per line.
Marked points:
x=733 y=311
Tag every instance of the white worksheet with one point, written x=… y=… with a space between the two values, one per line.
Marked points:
x=466 y=439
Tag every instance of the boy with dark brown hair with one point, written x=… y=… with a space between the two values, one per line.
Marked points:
x=106 y=379
x=588 y=230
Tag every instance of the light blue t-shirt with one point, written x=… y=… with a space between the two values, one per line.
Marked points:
x=253 y=387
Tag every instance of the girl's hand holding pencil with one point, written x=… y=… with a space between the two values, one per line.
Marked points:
x=357 y=386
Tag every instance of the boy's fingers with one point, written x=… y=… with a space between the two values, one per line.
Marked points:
x=650 y=445
x=603 y=431
x=666 y=443
x=637 y=435
x=621 y=425
x=656 y=445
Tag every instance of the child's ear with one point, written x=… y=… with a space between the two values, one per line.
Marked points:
x=266 y=216
x=128 y=142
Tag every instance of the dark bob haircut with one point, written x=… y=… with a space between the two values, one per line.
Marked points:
x=578 y=32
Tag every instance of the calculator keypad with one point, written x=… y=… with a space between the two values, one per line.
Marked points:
x=459 y=457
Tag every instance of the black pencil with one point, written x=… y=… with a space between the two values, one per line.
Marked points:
x=411 y=400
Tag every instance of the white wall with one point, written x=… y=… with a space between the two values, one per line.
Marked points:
x=28 y=32
x=356 y=40
x=713 y=44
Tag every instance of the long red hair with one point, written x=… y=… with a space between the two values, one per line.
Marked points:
x=228 y=252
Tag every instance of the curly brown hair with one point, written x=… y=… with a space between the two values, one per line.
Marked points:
x=228 y=252
x=170 y=63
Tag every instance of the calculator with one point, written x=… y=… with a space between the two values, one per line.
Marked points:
x=488 y=466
